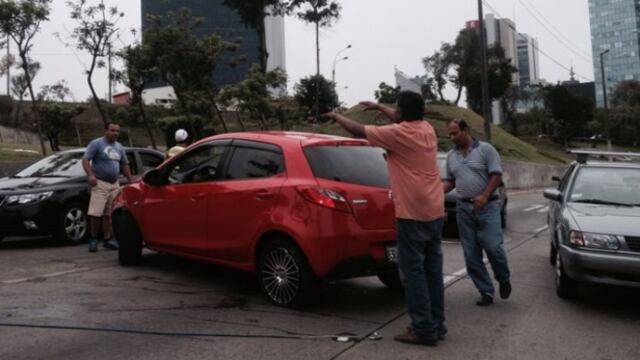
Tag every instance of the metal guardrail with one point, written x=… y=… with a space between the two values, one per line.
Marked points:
x=583 y=155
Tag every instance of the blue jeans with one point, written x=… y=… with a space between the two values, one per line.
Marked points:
x=420 y=264
x=480 y=231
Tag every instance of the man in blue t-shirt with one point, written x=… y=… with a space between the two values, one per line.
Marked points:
x=103 y=161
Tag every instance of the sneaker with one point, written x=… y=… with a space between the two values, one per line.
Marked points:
x=93 y=245
x=484 y=300
x=111 y=244
x=505 y=290
x=410 y=338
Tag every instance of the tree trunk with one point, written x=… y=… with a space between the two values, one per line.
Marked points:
x=263 y=121
x=146 y=123
x=185 y=111
x=239 y=118
x=34 y=105
x=459 y=95
x=212 y=103
x=93 y=91
x=262 y=36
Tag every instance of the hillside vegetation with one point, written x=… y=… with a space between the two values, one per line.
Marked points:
x=509 y=146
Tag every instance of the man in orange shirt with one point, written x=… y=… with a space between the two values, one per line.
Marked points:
x=411 y=144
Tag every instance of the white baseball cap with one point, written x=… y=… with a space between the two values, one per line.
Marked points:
x=181 y=135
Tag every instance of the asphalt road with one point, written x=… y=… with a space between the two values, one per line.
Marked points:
x=60 y=302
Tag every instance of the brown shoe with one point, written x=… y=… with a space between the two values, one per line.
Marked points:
x=410 y=338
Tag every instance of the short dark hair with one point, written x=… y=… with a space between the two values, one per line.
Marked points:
x=109 y=123
x=461 y=124
x=410 y=106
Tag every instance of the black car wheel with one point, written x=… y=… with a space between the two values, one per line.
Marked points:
x=566 y=287
x=285 y=276
x=129 y=238
x=391 y=280
x=73 y=225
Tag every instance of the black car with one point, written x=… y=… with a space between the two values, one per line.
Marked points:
x=450 y=199
x=51 y=196
x=594 y=223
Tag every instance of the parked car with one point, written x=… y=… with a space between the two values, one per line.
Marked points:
x=450 y=199
x=290 y=207
x=594 y=225
x=50 y=196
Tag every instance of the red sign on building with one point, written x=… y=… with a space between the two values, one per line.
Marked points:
x=473 y=24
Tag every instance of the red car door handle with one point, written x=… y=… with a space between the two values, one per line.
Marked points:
x=197 y=196
x=264 y=194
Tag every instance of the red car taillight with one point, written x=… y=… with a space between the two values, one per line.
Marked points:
x=325 y=197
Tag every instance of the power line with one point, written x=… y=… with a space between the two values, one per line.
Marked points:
x=567 y=46
x=585 y=53
x=558 y=63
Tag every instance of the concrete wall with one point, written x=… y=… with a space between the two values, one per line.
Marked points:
x=523 y=175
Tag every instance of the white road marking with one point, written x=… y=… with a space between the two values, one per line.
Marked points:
x=543 y=210
x=541 y=229
x=533 y=208
x=45 y=276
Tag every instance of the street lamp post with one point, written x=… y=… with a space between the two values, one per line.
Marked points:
x=604 y=97
x=336 y=60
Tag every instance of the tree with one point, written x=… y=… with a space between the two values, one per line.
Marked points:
x=321 y=13
x=386 y=93
x=20 y=21
x=59 y=91
x=625 y=112
x=56 y=118
x=509 y=103
x=252 y=94
x=437 y=67
x=96 y=26
x=306 y=95
x=570 y=113
x=138 y=65
x=185 y=61
x=253 y=14
x=500 y=70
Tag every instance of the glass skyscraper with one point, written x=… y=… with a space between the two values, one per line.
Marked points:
x=615 y=26
x=220 y=19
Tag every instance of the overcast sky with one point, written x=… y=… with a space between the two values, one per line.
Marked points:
x=383 y=34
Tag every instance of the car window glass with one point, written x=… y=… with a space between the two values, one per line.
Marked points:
x=62 y=164
x=353 y=164
x=200 y=165
x=607 y=184
x=250 y=163
x=149 y=161
x=133 y=165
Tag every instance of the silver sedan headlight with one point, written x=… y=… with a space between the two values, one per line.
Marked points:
x=595 y=241
x=27 y=198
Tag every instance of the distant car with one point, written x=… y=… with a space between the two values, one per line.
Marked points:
x=594 y=225
x=290 y=207
x=50 y=197
x=450 y=199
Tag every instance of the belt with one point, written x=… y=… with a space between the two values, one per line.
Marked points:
x=107 y=181
x=470 y=200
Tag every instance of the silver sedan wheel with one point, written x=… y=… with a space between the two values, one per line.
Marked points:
x=281 y=276
x=75 y=224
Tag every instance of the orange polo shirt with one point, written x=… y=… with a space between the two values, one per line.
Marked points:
x=412 y=148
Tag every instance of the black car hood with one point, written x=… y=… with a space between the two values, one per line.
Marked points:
x=12 y=185
x=605 y=219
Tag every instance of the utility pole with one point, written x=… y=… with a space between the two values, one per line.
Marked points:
x=486 y=112
x=604 y=97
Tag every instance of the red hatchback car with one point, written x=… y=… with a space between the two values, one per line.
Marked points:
x=291 y=207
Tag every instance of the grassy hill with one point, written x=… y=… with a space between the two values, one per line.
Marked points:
x=509 y=146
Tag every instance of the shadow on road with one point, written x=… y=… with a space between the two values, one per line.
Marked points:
x=33 y=243
x=610 y=300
